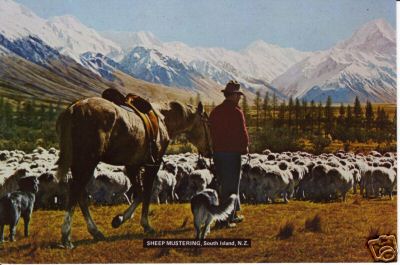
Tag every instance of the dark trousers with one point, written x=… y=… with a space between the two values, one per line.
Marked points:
x=228 y=169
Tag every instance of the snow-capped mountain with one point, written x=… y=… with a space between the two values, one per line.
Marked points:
x=363 y=66
x=127 y=40
x=77 y=38
x=64 y=33
x=32 y=49
x=153 y=66
x=253 y=67
x=98 y=63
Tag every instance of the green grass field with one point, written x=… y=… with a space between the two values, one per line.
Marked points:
x=345 y=229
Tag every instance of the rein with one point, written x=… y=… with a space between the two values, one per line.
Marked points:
x=206 y=133
x=206 y=126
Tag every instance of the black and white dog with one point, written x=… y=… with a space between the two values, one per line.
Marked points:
x=206 y=208
x=18 y=204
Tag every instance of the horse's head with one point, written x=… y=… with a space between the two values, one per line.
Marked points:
x=199 y=134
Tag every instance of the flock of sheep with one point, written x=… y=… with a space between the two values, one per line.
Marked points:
x=265 y=177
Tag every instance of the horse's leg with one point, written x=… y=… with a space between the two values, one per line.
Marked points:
x=149 y=176
x=135 y=190
x=83 y=174
x=91 y=226
x=66 y=226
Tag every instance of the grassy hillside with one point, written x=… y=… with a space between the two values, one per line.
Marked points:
x=69 y=81
x=345 y=228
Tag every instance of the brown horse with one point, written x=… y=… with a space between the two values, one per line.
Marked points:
x=94 y=129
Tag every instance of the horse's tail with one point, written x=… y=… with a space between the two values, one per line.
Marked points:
x=64 y=161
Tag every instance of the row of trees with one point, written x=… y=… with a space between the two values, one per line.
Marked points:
x=273 y=124
x=316 y=122
x=27 y=124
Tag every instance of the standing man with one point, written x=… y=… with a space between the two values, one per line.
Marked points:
x=230 y=140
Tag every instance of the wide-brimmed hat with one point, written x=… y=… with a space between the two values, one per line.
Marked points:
x=233 y=87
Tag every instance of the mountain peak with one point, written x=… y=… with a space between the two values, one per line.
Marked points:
x=376 y=35
x=260 y=44
x=12 y=7
x=17 y=21
x=68 y=20
x=129 y=40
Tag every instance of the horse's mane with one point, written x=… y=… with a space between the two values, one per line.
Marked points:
x=180 y=109
x=176 y=113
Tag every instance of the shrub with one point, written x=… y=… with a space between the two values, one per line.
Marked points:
x=286 y=231
x=314 y=224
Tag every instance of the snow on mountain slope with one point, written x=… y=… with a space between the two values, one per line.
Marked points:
x=64 y=33
x=259 y=60
x=376 y=35
x=363 y=66
x=128 y=40
x=99 y=64
x=33 y=49
x=153 y=66
x=76 y=38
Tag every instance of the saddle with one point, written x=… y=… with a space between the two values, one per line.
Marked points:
x=144 y=110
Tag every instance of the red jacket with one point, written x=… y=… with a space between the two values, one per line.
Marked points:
x=228 y=128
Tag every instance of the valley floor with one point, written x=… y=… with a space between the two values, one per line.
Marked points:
x=345 y=230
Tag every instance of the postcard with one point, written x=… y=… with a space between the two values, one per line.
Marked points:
x=207 y=131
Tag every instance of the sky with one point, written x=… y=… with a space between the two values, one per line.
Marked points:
x=306 y=25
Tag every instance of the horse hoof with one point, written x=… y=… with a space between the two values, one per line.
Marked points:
x=117 y=221
x=98 y=236
x=149 y=230
x=67 y=245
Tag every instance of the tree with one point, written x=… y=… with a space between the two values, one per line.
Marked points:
x=1 y=104
x=51 y=112
x=369 y=115
x=245 y=109
x=297 y=113
x=290 y=111
x=342 y=113
x=257 y=103
x=319 y=116
x=382 y=125
x=357 y=109
x=312 y=115
x=274 y=105
x=305 y=118
x=341 y=130
x=349 y=117
x=281 y=114
x=329 y=119
x=265 y=107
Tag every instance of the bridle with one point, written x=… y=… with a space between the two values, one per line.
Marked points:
x=206 y=128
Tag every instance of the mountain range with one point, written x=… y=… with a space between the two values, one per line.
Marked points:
x=73 y=57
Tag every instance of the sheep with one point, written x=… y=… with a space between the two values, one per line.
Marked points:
x=269 y=181
x=327 y=181
x=4 y=155
x=11 y=182
x=340 y=181
x=383 y=178
x=109 y=188
x=197 y=181
x=52 y=193
x=164 y=187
